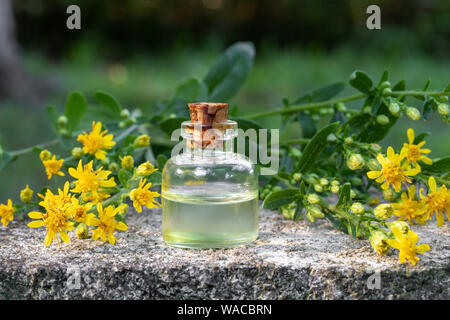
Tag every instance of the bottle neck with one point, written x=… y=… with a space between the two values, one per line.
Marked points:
x=216 y=150
x=206 y=142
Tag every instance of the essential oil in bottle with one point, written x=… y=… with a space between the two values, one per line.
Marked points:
x=209 y=193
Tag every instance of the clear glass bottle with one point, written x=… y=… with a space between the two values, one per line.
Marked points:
x=209 y=193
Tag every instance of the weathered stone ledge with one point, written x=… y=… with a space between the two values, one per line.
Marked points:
x=290 y=260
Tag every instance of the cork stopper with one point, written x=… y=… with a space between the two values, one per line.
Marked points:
x=208 y=113
x=210 y=120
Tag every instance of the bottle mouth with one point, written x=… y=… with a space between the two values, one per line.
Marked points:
x=206 y=134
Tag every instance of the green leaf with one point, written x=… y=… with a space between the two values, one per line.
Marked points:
x=361 y=81
x=420 y=137
x=5 y=158
x=109 y=103
x=441 y=166
x=191 y=90
x=307 y=125
x=75 y=110
x=155 y=178
x=161 y=161
x=278 y=198
x=52 y=115
x=384 y=77
x=322 y=94
x=246 y=124
x=344 y=195
x=170 y=124
x=315 y=147
x=298 y=211
x=124 y=175
x=229 y=73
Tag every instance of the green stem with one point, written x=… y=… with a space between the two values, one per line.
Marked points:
x=419 y=93
x=305 y=107
x=30 y=149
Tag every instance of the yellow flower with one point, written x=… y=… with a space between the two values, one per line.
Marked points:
x=127 y=162
x=59 y=200
x=96 y=197
x=409 y=208
x=437 y=201
x=142 y=141
x=78 y=212
x=26 y=194
x=6 y=212
x=406 y=244
x=392 y=171
x=141 y=196
x=89 y=181
x=96 y=141
x=56 y=219
x=379 y=243
x=106 y=224
x=53 y=166
x=413 y=152
x=145 y=169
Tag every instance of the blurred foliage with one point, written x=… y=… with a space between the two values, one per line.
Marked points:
x=121 y=28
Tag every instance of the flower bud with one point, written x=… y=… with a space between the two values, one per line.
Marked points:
x=378 y=241
x=385 y=84
x=82 y=231
x=277 y=188
x=62 y=121
x=389 y=194
x=125 y=114
x=142 y=141
x=45 y=155
x=357 y=208
x=145 y=169
x=355 y=162
x=297 y=176
x=77 y=152
x=288 y=210
x=340 y=106
x=113 y=166
x=335 y=189
x=313 y=198
x=26 y=195
x=331 y=137
x=310 y=217
x=127 y=162
x=382 y=119
x=443 y=109
x=123 y=208
x=383 y=211
x=335 y=183
x=413 y=113
x=402 y=226
x=352 y=194
x=394 y=109
x=386 y=92
x=318 y=188
x=348 y=140
x=315 y=212
x=367 y=110
x=323 y=182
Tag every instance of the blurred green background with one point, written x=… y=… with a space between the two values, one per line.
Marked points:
x=138 y=50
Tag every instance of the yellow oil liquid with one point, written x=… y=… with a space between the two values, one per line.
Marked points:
x=209 y=220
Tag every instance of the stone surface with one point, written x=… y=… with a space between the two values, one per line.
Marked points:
x=290 y=260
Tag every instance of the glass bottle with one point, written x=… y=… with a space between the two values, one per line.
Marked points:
x=209 y=193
